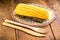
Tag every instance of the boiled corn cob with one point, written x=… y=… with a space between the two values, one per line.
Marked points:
x=32 y=11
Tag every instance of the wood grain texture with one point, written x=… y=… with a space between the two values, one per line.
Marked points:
x=5 y=12
x=24 y=36
x=55 y=26
x=7 y=6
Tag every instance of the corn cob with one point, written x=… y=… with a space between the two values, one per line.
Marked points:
x=32 y=11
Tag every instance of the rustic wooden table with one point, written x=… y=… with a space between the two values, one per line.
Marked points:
x=7 y=7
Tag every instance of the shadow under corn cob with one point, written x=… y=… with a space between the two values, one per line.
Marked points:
x=31 y=19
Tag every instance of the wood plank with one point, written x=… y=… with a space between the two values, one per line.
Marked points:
x=24 y=36
x=55 y=4
x=6 y=8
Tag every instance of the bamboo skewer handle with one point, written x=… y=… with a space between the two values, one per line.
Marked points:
x=40 y=30
x=24 y=29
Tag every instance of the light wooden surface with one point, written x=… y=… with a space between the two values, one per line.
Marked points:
x=7 y=7
x=5 y=12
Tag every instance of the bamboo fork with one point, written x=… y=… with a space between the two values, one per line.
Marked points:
x=39 y=30
x=24 y=29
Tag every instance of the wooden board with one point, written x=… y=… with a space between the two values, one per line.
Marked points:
x=6 y=8
x=23 y=36
x=7 y=33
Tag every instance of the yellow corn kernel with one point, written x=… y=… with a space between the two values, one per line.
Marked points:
x=32 y=11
